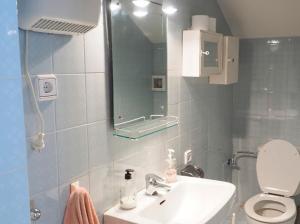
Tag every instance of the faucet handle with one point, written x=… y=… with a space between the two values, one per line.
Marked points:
x=153 y=182
x=153 y=176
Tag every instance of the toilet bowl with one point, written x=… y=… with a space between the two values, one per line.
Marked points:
x=264 y=208
x=278 y=165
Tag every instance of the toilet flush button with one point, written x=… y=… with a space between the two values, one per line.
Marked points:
x=46 y=87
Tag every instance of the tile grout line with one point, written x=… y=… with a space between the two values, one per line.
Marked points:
x=86 y=113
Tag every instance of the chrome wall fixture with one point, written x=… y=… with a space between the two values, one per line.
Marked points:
x=35 y=214
x=232 y=162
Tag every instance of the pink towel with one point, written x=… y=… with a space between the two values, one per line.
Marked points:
x=80 y=208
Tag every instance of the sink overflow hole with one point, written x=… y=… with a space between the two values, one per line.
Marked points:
x=162 y=202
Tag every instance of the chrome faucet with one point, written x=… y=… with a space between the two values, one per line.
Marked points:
x=153 y=183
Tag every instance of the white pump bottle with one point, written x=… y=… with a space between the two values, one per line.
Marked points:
x=171 y=172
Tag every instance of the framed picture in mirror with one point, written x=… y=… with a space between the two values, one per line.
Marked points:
x=159 y=83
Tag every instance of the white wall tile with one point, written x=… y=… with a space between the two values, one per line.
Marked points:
x=174 y=39
x=48 y=203
x=96 y=97
x=39 y=52
x=73 y=153
x=104 y=191
x=185 y=142
x=71 y=101
x=173 y=88
x=185 y=94
x=68 y=54
x=185 y=116
x=94 y=50
x=215 y=165
x=99 y=152
x=131 y=162
x=199 y=115
x=41 y=164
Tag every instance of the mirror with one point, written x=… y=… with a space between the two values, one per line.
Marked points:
x=211 y=45
x=139 y=59
x=211 y=60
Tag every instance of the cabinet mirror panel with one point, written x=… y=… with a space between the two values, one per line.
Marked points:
x=211 y=59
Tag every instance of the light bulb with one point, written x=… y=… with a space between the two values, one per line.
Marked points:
x=115 y=6
x=141 y=3
x=169 y=10
x=140 y=13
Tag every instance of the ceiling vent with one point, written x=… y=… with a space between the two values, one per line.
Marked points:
x=69 y=17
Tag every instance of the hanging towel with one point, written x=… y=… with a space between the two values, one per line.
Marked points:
x=80 y=208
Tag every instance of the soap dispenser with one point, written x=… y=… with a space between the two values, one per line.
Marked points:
x=171 y=172
x=128 y=191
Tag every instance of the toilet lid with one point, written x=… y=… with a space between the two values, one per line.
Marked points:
x=278 y=168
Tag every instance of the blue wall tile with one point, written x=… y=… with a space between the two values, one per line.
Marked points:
x=9 y=45
x=11 y=120
x=14 y=200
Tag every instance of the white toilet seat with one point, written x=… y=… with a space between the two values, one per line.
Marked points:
x=288 y=213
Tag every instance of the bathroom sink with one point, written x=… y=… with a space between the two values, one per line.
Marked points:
x=191 y=200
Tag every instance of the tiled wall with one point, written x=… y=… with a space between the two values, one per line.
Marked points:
x=205 y=110
x=79 y=138
x=266 y=102
x=14 y=206
x=79 y=141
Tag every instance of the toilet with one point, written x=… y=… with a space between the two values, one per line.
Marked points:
x=278 y=174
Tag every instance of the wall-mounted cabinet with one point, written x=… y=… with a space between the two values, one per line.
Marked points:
x=202 y=53
x=229 y=73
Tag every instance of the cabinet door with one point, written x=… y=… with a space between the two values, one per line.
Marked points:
x=202 y=53
x=229 y=73
x=232 y=59
x=211 y=53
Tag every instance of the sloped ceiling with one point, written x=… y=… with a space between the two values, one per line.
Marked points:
x=262 y=18
x=151 y=25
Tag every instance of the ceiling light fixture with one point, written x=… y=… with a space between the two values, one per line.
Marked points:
x=169 y=10
x=141 y=3
x=140 y=13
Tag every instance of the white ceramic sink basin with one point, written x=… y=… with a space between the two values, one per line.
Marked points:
x=190 y=201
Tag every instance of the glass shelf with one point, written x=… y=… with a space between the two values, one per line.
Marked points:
x=141 y=127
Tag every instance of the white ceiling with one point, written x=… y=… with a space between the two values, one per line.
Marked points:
x=262 y=18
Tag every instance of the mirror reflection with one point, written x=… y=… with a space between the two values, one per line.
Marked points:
x=139 y=60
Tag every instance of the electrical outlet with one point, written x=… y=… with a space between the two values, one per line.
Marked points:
x=46 y=87
x=188 y=156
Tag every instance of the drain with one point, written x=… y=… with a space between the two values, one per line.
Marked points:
x=163 y=201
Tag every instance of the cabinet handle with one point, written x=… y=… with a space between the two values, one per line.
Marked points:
x=205 y=53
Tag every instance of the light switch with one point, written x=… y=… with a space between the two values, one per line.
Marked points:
x=46 y=87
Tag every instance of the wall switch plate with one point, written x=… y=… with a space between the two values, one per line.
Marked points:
x=188 y=155
x=46 y=86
